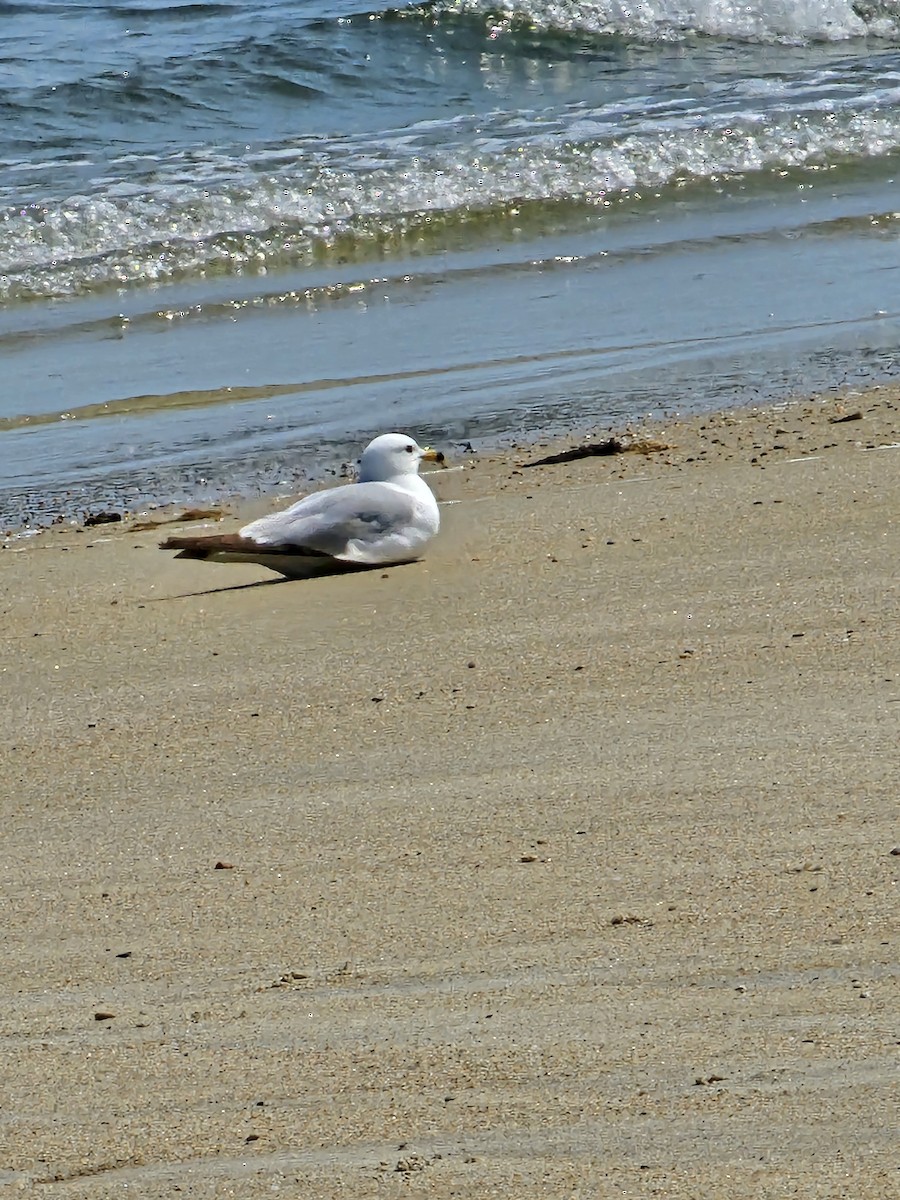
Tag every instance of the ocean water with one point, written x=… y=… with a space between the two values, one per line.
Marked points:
x=237 y=238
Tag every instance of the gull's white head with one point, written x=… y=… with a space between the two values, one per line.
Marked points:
x=393 y=454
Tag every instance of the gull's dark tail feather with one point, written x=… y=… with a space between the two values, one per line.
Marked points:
x=220 y=547
x=295 y=562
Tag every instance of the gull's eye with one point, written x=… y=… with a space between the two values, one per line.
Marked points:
x=409 y=449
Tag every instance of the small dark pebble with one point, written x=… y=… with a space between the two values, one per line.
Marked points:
x=103 y=1016
x=124 y=954
x=101 y=518
x=223 y=866
x=252 y=1137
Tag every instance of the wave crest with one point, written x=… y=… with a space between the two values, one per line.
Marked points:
x=674 y=20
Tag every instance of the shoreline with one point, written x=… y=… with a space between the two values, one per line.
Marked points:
x=562 y=860
x=509 y=445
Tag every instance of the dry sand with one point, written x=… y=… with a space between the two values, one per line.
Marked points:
x=561 y=861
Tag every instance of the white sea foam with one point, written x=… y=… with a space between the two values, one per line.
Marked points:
x=761 y=20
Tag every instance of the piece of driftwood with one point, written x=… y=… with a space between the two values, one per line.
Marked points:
x=854 y=416
x=610 y=445
x=190 y=514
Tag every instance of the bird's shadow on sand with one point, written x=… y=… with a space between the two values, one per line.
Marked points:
x=232 y=587
x=326 y=573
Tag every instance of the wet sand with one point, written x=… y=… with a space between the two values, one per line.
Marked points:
x=559 y=863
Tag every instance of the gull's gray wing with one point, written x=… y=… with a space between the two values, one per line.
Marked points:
x=327 y=522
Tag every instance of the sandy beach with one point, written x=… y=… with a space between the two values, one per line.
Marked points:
x=561 y=863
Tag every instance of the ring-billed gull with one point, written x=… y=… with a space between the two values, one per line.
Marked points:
x=387 y=517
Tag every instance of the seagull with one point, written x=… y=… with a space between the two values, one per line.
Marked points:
x=387 y=517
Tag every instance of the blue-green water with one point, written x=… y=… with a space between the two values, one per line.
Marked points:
x=238 y=238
